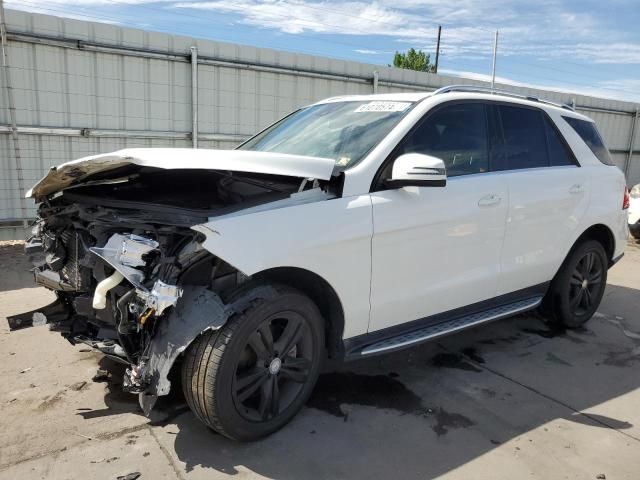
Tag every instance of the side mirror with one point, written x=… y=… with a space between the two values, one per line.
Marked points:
x=417 y=170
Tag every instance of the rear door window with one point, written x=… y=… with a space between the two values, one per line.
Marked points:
x=589 y=134
x=525 y=143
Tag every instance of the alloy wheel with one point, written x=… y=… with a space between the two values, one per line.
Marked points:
x=585 y=283
x=274 y=367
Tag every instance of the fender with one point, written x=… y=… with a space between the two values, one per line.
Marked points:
x=198 y=310
x=331 y=238
x=326 y=237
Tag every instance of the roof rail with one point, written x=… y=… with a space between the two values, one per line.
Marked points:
x=506 y=93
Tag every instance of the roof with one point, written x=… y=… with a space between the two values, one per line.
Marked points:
x=460 y=95
x=397 y=97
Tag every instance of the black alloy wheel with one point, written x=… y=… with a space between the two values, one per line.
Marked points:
x=577 y=289
x=586 y=283
x=250 y=377
x=274 y=367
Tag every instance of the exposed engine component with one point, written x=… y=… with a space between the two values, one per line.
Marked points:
x=131 y=276
x=161 y=297
x=100 y=294
x=126 y=253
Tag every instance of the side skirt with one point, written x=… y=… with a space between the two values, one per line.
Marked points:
x=428 y=328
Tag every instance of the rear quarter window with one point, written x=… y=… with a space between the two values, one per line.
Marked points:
x=589 y=134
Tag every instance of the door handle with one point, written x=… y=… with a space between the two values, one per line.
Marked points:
x=488 y=200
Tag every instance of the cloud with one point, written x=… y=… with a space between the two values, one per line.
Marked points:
x=545 y=30
x=616 y=89
x=541 y=35
x=366 y=51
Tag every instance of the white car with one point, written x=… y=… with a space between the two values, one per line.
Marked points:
x=634 y=211
x=355 y=226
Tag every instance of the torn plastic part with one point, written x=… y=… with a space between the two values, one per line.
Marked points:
x=161 y=296
x=198 y=310
x=133 y=379
x=124 y=252
x=57 y=311
x=108 y=347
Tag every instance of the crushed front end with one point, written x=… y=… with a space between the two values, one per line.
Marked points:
x=131 y=277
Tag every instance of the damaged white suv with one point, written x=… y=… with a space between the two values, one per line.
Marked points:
x=355 y=226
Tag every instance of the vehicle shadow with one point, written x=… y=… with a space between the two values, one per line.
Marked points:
x=428 y=410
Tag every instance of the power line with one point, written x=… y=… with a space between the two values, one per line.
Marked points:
x=522 y=84
x=163 y=27
x=314 y=39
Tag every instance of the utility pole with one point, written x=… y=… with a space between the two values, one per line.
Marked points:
x=495 y=53
x=435 y=70
x=11 y=107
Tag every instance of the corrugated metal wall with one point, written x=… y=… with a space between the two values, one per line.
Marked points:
x=82 y=88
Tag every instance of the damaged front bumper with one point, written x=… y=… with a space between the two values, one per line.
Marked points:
x=153 y=321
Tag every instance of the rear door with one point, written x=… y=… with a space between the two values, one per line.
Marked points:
x=548 y=195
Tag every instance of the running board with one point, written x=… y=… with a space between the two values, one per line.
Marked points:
x=450 y=326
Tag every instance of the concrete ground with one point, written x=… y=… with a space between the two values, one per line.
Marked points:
x=514 y=399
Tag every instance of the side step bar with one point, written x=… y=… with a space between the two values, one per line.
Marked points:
x=450 y=326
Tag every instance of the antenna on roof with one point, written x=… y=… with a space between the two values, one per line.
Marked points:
x=495 y=54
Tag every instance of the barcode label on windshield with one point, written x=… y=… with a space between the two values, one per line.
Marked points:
x=378 y=106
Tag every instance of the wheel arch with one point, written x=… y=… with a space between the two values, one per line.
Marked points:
x=602 y=234
x=321 y=293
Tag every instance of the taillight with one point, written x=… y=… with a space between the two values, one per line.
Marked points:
x=625 y=200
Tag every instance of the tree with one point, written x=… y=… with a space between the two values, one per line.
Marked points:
x=413 y=60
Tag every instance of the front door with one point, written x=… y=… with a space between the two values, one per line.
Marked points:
x=438 y=248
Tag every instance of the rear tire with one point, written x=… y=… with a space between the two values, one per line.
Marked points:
x=577 y=289
x=249 y=378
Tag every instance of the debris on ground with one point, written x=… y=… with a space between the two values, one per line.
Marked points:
x=101 y=376
x=26 y=370
x=601 y=476
x=78 y=386
x=129 y=476
x=107 y=460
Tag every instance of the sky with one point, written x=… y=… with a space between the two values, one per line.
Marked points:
x=581 y=46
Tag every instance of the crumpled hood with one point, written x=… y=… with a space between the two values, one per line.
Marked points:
x=74 y=172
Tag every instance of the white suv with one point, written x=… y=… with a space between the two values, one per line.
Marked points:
x=355 y=226
x=634 y=211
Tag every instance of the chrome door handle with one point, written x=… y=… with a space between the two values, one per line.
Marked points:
x=488 y=200
x=576 y=188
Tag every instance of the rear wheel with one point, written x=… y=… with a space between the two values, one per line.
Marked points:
x=249 y=378
x=577 y=289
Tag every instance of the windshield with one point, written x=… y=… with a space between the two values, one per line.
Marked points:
x=344 y=131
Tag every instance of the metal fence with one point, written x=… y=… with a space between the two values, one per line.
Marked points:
x=73 y=88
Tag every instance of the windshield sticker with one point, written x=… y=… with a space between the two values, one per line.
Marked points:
x=378 y=106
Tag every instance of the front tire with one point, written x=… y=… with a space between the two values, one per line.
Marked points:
x=576 y=291
x=252 y=376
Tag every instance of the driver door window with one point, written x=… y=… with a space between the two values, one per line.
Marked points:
x=457 y=134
